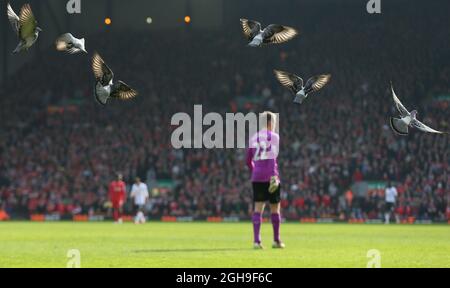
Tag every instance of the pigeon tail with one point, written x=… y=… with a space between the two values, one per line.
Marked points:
x=256 y=42
x=83 y=45
x=299 y=99
x=101 y=98
x=399 y=127
x=101 y=94
x=18 y=48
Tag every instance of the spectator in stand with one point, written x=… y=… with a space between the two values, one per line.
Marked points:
x=3 y=215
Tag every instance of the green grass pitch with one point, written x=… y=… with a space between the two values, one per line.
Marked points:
x=156 y=244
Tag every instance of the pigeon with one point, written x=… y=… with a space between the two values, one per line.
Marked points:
x=272 y=34
x=70 y=44
x=105 y=88
x=407 y=119
x=295 y=84
x=25 y=27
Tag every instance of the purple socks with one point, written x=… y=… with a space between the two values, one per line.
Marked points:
x=276 y=220
x=257 y=219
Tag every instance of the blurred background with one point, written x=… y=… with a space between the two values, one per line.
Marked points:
x=59 y=149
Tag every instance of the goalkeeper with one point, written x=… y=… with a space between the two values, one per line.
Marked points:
x=262 y=161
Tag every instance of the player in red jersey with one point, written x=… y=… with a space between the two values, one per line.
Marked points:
x=117 y=196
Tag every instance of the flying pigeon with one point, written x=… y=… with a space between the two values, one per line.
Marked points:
x=272 y=34
x=295 y=84
x=105 y=88
x=408 y=119
x=25 y=27
x=70 y=44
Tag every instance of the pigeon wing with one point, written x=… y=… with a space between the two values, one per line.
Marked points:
x=13 y=19
x=102 y=72
x=401 y=109
x=73 y=50
x=250 y=28
x=27 y=22
x=419 y=125
x=123 y=92
x=276 y=34
x=316 y=83
x=289 y=80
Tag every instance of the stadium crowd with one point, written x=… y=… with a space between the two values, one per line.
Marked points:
x=59 y=149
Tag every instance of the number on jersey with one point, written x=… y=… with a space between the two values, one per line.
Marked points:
x=261 y=151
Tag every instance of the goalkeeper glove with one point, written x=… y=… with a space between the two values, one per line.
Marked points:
x=274 y=184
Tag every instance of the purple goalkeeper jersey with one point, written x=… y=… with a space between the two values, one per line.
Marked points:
x=262 y=155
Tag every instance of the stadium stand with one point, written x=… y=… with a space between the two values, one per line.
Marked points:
x=59 y=149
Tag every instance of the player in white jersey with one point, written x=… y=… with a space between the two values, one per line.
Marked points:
x=139 y=192
x=390 y=197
